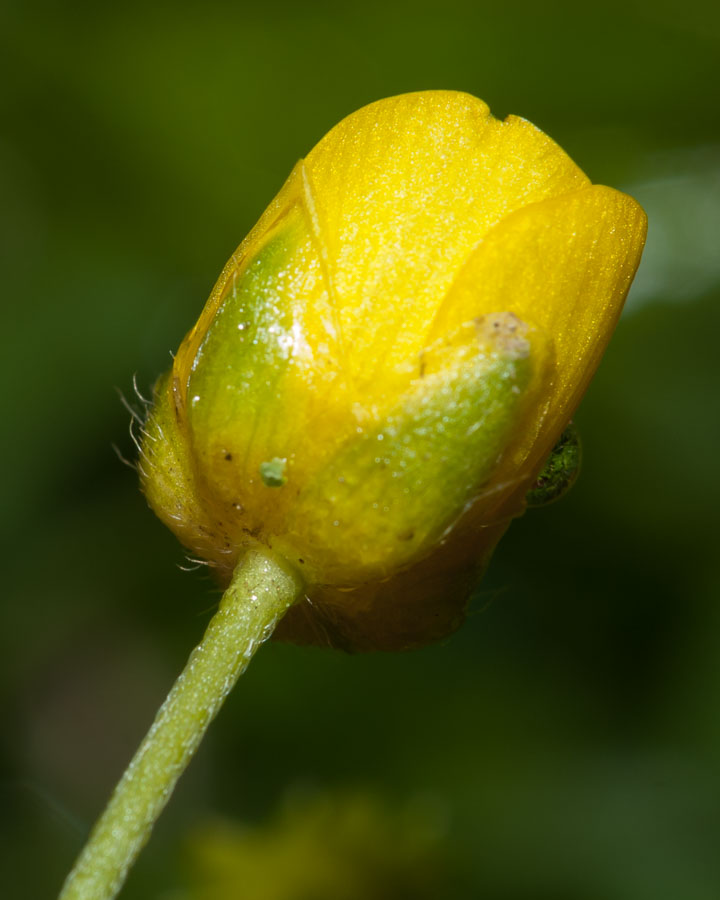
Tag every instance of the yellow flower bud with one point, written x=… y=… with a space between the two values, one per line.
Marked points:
x=387 y=360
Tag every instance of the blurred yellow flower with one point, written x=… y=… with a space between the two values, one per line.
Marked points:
x=387 y=360
x=325 y=846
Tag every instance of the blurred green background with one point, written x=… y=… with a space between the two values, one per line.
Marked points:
x=565 y=744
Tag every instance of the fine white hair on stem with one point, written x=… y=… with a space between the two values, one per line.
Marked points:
x=195 y=564
x=138 y=417
x=133 y=436
x=135 y=414
x=126 y=462
x=146 y=402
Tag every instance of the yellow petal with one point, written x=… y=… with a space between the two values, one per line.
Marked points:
x=564 y=266
x=400 y=193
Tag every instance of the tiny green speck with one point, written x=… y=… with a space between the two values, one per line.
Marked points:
x=273 y=472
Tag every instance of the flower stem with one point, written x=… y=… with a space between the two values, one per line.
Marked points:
x=262 y=589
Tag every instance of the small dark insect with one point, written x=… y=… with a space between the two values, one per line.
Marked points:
x=560 y=471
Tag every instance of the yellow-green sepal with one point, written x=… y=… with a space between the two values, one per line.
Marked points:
x=392 y=490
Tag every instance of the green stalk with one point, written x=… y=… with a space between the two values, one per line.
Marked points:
x=261 y=590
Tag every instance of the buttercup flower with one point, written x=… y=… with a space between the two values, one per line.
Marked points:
x=386 y=362
x=368 y=398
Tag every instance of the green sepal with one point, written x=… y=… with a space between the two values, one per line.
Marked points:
x=392 y=491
